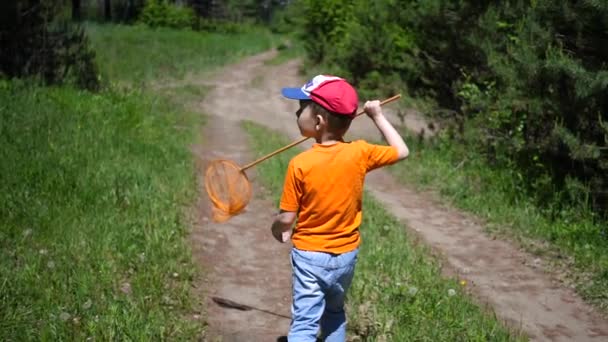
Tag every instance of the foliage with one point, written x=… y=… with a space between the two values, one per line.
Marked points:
x=163 y=13
x=529 y=79
x=129 y=11
x=522 y=88
x=238 y=11
x=209 y=16
x=545 y=111
x=359 y=40
x=287 y=20
x=223 y=26
x=35 y=43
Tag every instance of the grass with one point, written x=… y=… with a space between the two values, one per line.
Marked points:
x=94 y=189
x=570 y=240
x=398 y=293
x=140 y=55
x=92 y=195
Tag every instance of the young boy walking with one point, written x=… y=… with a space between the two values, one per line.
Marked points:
x=323 y=190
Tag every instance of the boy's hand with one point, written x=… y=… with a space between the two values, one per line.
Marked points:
x=282 y=225
x=373 y=109
x=285 y=236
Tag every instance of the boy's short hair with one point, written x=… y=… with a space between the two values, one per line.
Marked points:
x=336 y=123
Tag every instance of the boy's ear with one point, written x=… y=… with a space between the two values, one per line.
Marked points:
x=320 y=120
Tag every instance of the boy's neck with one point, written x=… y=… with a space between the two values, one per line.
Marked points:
x=328 y=138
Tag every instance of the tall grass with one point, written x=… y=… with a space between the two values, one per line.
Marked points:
x=572 y=238
x=398 y=293
x=139 y=55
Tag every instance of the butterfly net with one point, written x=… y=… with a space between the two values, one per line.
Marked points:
x=228 y=188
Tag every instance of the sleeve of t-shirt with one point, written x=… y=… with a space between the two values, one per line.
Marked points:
x=380 y=155
x=292 y=190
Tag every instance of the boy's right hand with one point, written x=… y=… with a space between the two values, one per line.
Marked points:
x=372 y=109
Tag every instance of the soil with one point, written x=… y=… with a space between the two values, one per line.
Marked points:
x=247 y=284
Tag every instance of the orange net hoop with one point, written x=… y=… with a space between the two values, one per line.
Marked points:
x=228 y=188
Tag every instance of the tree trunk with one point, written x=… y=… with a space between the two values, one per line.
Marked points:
x=76 y=10
x=107 y=10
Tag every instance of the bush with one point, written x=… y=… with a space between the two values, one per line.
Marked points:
x=221 y=26
x=545 y=110
x=161 y=13
x=287 y=20
x=529 y=79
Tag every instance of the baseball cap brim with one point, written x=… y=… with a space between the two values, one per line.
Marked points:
x=294 y=94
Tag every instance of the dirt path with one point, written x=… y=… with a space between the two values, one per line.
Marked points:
x=248 y=279
x=245 y=265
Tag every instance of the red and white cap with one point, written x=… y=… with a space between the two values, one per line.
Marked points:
x=331 y=92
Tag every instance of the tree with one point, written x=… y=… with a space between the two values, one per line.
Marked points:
x=107 y=10
x=37 y=42
x=76 y=15
x=528 y=80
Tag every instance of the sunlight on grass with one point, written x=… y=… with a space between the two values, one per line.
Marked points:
x=398 y=293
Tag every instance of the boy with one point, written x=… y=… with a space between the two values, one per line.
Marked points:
x=323 y=189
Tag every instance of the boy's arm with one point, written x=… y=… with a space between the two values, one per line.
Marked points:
x=281 y=227
x=374 y=111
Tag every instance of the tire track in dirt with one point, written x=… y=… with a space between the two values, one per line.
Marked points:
x=522 y=296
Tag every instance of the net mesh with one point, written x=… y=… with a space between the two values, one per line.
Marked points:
x=228 y=188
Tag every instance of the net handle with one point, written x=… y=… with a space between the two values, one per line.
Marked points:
x=254 y=163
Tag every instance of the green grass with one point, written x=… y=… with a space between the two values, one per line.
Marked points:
x=91 y=201
x=571 y=239
x=139 y=55
x=398 y=293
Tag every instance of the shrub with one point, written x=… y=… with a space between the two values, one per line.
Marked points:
x=161 y=13
x=529 y=78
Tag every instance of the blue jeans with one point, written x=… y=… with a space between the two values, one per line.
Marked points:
x=320 y=282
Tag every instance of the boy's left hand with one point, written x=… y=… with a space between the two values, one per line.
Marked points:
x=282 y=225
x=285 y=236
x=281 y=236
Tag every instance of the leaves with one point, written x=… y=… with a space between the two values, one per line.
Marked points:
x=511 y=71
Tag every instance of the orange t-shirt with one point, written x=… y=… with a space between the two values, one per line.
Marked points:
x=325 y=185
